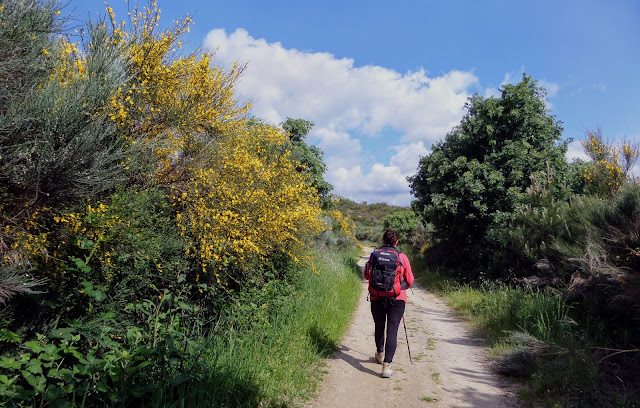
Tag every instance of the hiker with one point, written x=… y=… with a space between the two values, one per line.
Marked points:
x=388 y=298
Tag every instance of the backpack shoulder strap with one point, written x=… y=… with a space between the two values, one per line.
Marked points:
x=388 y=248
x=392 y=249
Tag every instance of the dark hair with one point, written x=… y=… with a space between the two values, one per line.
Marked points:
x=390 y=237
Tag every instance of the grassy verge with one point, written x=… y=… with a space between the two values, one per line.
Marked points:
x=278 y=362
x=536 y=341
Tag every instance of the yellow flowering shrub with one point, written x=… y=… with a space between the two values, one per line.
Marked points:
x=341 y=224
x=127 y=238
x=170 y=99
x=610 y=164
x=247 y=203
x=149 y=205
x=223 y=191
x=27 y=239
x=340 y=229
x=348 y=227
x=91 y=230
x=70 y=63
x=94 y=230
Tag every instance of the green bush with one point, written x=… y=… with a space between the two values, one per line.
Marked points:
x=56 y=146
x=129 y=240
x=475 y=180
x=157 y=351
x=589 y=248
x=404 y=222
x=268 y=350
x=369 y=219
x=25 y=33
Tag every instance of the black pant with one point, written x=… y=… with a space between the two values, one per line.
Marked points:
x=389 y=311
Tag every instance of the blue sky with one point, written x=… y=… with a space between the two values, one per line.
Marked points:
x=383 y=81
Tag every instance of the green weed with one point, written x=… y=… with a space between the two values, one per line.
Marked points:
x=281 y=363
x=535 y=339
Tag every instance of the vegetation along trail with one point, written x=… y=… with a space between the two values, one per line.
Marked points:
x=450 y=368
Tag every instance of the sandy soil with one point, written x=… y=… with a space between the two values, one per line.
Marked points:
x=450 y=367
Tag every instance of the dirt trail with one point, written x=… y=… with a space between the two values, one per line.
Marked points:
x=450 y=367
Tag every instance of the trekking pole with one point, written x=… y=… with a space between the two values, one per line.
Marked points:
x=407 y=337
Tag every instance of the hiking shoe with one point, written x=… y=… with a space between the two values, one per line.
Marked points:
x=386 y=370
x=379 y=357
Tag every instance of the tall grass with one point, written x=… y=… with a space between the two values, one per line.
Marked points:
x=429 y=276
x=534 y=339
x=279 y=363
x=499 y=309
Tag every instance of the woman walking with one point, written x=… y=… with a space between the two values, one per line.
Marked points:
x=388 y=296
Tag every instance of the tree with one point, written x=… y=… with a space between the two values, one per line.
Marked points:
x=309 y=157
x=403 y=221
x=474 y=181
x=297 y=129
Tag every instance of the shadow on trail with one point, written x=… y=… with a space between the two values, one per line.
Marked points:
x=342 y=354
x=468 y=340
x=475 y=376
x=471 y=397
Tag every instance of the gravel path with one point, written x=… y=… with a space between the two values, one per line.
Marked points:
x=450 y=367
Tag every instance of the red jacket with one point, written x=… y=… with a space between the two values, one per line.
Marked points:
x=405 y=274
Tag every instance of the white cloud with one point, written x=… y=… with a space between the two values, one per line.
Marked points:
x=511 y=78
x=508 y=78
x=341 y=150
x=408 y=156
x=601 y=86
x=351 y=107
x=634 y=172
x=381 y=184
x=333 y=139
x=576 y=151
x=551 y=87
x=492 y=93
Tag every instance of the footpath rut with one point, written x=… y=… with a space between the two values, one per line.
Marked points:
x=450 y=367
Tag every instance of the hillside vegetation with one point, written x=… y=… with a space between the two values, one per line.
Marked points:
x=371 y=220
x=543 y=254
x=157 y=246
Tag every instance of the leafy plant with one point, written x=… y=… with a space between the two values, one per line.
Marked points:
x=159 y=351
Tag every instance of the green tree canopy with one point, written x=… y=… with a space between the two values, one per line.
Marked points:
x=309 y=157
x=403 y=221
x=297 y=129
x=476 y=179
